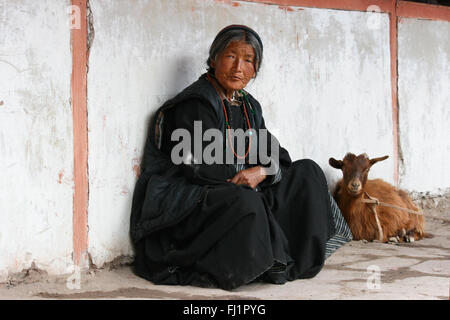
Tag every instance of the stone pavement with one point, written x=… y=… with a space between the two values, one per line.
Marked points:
x=359 y=270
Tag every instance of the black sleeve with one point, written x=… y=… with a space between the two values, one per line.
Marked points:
x=185 y=114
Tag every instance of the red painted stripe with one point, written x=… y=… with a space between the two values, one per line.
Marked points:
x=407 y=9
x=393 y=21
x=404 y=9
x=354 y=5
x=80 y=137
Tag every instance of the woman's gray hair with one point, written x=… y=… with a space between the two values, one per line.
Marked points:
x=225 y=38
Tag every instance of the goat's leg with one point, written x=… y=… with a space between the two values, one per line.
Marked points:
x=412 y=235
x=416 y=227
x=399 y=236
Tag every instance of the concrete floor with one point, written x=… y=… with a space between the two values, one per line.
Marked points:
x=359 y=270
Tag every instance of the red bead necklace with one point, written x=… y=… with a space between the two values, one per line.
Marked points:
x=228 y=124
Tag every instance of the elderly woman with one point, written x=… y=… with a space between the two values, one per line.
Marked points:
x=228 y=223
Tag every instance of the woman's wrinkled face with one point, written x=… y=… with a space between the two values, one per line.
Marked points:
x=235 y=66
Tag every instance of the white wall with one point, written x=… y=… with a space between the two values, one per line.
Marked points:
x=36 y=150
x=325 y=88
x=325 y=85
x=424 y=104
x=146 y=61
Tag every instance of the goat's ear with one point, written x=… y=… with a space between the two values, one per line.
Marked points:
x=335 y=163
x=375 y=160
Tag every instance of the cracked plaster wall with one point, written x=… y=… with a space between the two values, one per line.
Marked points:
x=424 y=105
x=36 y=150
x=324 y=87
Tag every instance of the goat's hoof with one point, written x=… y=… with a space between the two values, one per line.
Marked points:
x=394 y=239
x=403 y=233
x=409 y=238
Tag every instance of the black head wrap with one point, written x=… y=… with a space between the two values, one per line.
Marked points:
x=240 y=27
x=233 y=27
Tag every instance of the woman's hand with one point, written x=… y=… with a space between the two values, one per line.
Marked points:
x=251 y=176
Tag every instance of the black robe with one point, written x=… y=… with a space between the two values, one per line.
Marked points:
x=232 y=235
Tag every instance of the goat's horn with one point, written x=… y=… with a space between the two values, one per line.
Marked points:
x=375 y=160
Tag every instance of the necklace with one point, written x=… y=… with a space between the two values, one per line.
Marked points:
x=233 y=98
x=227 y=123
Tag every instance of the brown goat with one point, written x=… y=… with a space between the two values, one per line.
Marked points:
x=361 y=219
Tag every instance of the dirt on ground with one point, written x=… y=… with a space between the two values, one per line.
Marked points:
x=417 y=270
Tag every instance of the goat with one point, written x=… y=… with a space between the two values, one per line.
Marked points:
x=365 y=223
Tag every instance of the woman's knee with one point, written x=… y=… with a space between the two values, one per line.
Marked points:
x=245 y=196
x=307 y=164
x=310 y=167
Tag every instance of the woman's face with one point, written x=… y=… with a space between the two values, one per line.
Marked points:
x=235 y=67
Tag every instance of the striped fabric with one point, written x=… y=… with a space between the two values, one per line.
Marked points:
x=343 y=233
x=278 y=176
x=239 y=166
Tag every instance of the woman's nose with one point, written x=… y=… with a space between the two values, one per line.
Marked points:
x=238 y=64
